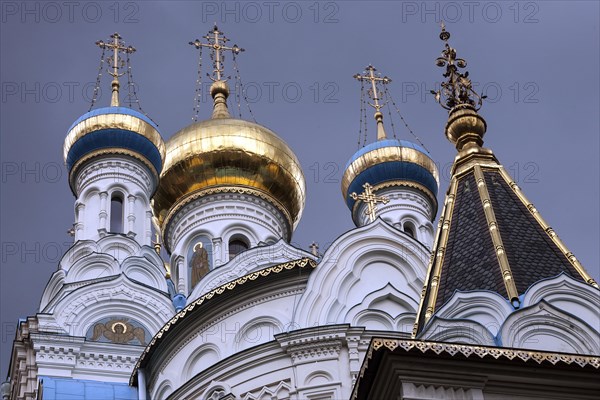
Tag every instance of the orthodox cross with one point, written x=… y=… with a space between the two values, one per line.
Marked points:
x=117 y=46
x=371 y=199
x=216 y=41
x=369 y=75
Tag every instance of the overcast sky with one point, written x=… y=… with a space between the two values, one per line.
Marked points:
x=536 y=61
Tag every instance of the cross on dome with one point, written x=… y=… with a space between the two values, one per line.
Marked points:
x=216 y=42
x=117 y=46
x=374 y=78
x=371 y=199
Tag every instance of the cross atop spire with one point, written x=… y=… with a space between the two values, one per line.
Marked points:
x=216 y=41
x=116 y=62
x=371 y=199
x=374 y=78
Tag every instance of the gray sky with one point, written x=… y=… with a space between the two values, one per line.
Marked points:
x=537 y=62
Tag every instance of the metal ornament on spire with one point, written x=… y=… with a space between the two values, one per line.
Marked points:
x=371 y=199
x=116 y=62
x=458 y=89
x=375 y=78
x=216 y=41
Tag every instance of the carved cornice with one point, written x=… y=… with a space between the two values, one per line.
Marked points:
x=470 y=351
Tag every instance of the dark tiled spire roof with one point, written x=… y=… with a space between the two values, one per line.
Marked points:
x=490 y=237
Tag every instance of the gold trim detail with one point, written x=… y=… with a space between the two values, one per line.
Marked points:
x=114 y=121
x=437 y=258
x=549 y=231
x=109 y=151
x=470 y=350
x=490 y=216
x=387 y=154
x=275 y=269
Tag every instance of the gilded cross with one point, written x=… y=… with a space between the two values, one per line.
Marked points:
x=371 y=199
x=216 y=41
x=369 y=75
x=117 y=46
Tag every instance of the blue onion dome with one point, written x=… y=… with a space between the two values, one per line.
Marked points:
x=113 y=130
x=391 y=162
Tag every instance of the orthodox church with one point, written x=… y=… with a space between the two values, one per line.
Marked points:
x=487 y=304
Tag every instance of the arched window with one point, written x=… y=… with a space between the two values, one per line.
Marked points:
x=409 y=229
x=237 y=245
x=116 y=213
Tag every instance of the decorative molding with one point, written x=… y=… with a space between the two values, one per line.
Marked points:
x=249 y=261
x=76 y=178
x=218 y=190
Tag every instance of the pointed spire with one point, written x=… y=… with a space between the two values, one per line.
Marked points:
x=116 y=63
x=219 y=90
x=370 y=75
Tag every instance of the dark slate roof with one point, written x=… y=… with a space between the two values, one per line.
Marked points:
x=470 y=262
x=532 y=255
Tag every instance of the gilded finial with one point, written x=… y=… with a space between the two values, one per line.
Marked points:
x=457 y=90
x=219 y=90
x=116 y=62
x=375 y=78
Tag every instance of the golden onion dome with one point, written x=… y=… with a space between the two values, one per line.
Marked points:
x=225 y=154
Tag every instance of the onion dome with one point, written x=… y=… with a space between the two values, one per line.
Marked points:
x=390 y=162
x=114 y=129
x=225 y=154
x=387 y=162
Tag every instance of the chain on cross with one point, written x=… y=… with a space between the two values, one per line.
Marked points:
x=371 y=199
x=370 y=75
x=118 y=47
x=216 y=41
x=375 y=94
